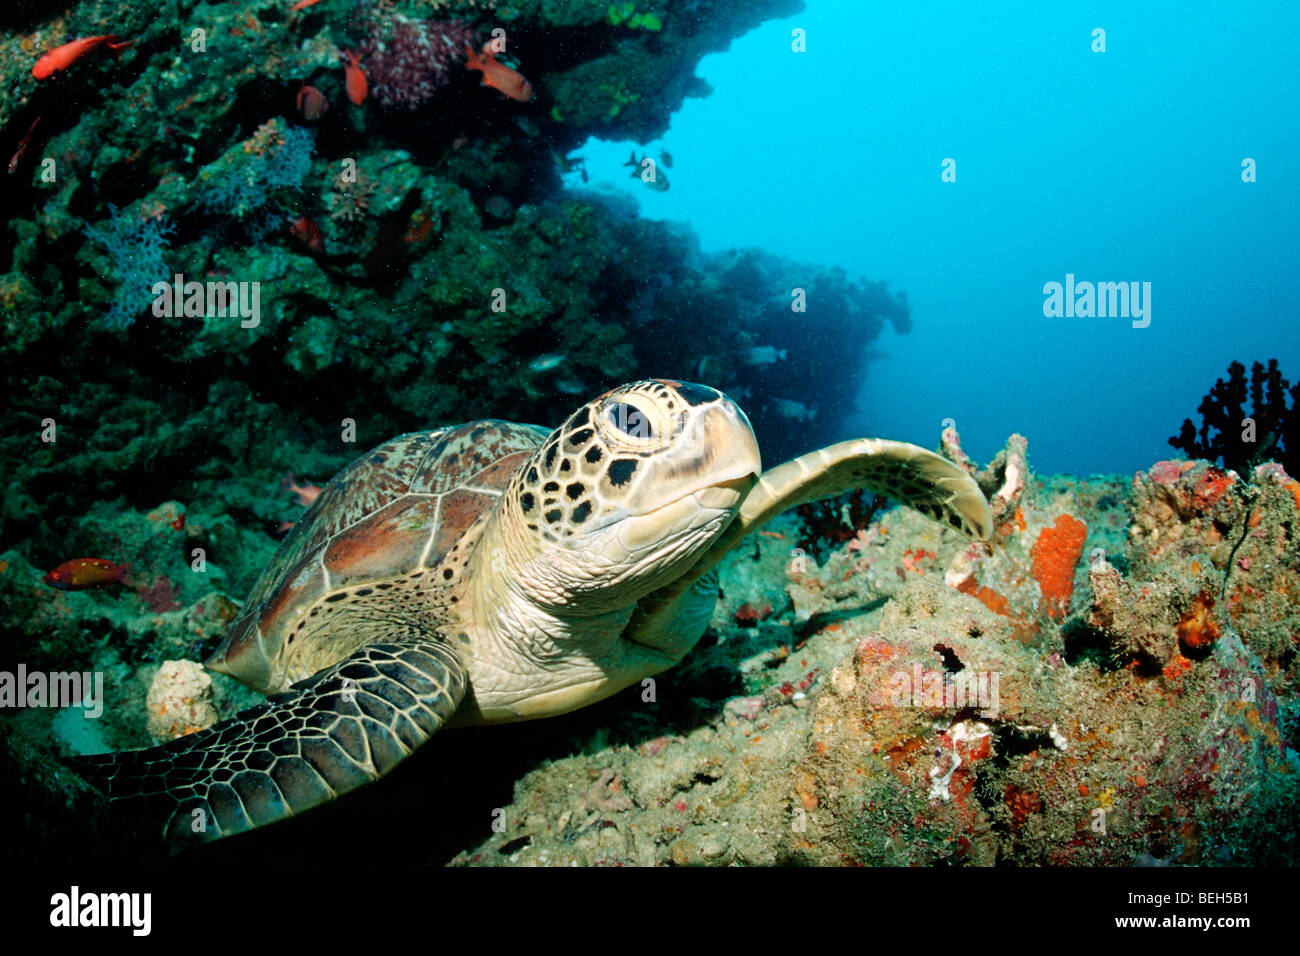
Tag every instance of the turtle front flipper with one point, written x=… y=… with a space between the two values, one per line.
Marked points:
x=339 y=729
x=910 y=474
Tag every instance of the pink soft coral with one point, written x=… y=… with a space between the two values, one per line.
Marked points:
x=407 y=61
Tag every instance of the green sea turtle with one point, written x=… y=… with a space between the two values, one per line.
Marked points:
x=492 y=572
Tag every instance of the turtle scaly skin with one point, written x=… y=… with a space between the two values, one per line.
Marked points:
x=485 y=573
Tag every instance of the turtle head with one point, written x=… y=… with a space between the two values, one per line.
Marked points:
x=629 y=491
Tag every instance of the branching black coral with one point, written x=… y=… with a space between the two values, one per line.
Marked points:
x=831 y=522
x=1270 y=431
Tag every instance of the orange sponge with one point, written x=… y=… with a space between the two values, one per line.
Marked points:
x=1055 y=554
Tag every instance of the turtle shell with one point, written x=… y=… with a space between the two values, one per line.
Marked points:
x=399 y=507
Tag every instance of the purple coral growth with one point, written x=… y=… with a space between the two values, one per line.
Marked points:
x=406 y=61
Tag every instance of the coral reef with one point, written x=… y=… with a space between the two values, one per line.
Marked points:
x=1202 y=531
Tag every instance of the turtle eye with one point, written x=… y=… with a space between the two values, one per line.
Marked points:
x=630 y=420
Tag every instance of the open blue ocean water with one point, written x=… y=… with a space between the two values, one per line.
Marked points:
x=1113 y=142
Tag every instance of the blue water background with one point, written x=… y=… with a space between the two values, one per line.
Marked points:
x=1115 y=166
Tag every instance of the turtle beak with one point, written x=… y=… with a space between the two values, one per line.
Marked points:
x=723 y=426
x=726 y=495
x=725 y=431
x=714 y=460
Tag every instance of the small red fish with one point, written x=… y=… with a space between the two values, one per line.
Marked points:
x=354 y=80
x=23 y=143
x=284 y=528
x=308 y=233
x=62 y=57
x=305 y=494
x=312 y=103
x=498 y=75
x=81 y=573
x=302 y=5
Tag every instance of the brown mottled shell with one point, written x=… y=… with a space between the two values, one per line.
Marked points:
x=399 y=507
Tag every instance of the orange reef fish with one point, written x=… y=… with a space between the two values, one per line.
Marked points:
x=308 y=233
x=354 y=80
x=302 y=5
x=305 y=494
x=312 y=103
x=81 y=573
x=21 y=151
x=62 y=57
x=499 y=76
